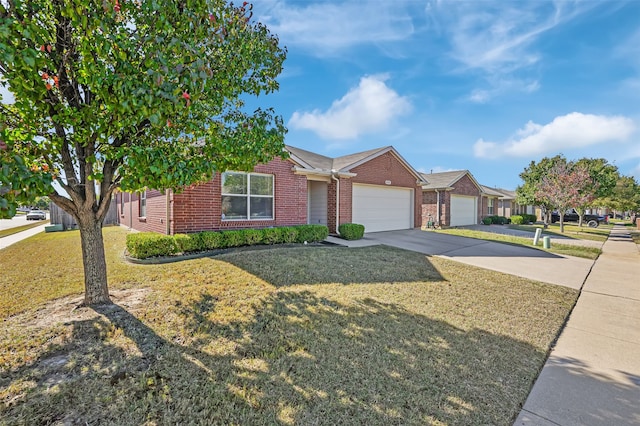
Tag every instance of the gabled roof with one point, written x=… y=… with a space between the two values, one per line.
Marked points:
x=319 y=163
x=446 y=180
x=491 y=191
x=308 y=159
x=499 y=192
x=350 y=161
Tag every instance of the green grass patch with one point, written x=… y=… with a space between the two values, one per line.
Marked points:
x=557 y=248
x=298 y=335
x=11 y=231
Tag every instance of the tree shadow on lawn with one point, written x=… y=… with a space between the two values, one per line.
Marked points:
x=325 y=265
x=300 y=359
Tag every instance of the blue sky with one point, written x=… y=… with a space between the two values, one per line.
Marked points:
x=479 y=85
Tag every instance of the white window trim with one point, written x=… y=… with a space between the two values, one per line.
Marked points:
x=249 y=196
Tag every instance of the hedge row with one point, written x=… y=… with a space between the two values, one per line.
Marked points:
x=495 y=220
x=524 y=218
x=143 y=245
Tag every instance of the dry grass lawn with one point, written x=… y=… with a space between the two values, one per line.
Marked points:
x=303 y=335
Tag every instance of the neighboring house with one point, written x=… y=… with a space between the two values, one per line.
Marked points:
x=490 y=201
x=376 y=188
x=451 y=199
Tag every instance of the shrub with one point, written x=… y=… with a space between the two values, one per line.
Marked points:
x=148 y=244
x=252 y=236
x=487 y=220
x=271 y=235
x=530 y=218
x=288 y=234
x=498 y=220
x=517 y=220
x=351 y=231
x=311 y=233
x=212 y=240
x=233 y=238
x=188 y=242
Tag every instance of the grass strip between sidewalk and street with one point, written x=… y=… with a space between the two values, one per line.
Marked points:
x=556 y=248
x=17 y=229
x=601 y=233
x=296 y=335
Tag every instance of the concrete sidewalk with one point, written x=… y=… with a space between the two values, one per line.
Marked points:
x=14 y=238
x=592 y=376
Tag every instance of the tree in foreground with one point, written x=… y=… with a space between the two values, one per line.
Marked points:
x=122 y=94
x=566 y=185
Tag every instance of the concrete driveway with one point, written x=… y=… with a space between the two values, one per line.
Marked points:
x=511 y=259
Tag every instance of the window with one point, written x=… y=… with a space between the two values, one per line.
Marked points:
x=490 y=206
x=143 y=204
x=122 y=203
x=247 y=196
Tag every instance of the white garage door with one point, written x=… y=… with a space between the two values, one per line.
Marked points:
x=382 y=208
x=464 y=210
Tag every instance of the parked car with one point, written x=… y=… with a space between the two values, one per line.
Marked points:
x=36 y=215
x=592 y=220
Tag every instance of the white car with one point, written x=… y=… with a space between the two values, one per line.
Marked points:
x=36 y=215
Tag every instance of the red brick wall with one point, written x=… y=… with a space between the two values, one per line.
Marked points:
x=155 y=220
x=384 y=168
x=345 y=203
x=198 y=208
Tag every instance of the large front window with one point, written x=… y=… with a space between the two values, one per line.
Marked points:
x=247 y=196
x=490 y=207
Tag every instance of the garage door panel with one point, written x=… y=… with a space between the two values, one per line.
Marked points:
x=463 y=210
x=381 y=208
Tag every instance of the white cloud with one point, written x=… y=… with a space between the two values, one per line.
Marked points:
x=370 y=107
x=326 y=28
x=571 y=131
x=498 y=39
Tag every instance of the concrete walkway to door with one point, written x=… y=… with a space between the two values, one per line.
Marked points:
x=511 y=259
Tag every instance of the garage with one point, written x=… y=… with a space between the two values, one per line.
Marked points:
x=382 y=208
x=464 y=210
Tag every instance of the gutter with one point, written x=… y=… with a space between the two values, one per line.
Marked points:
x=333 y=176
x=438 y=207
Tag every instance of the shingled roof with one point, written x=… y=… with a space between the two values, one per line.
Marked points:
x=316 y=162
x=444 y=180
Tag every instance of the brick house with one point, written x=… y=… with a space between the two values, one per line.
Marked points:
x=451 y=199
x=376 y=188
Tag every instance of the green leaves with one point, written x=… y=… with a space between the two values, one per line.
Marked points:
x=100 y=87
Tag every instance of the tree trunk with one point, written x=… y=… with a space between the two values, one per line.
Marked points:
x=96 y=291
x=562 y=223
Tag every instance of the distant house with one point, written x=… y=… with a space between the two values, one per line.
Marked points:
x=451 y=199
x=376 y=188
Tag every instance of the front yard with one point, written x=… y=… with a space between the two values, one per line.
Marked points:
x=303 y=335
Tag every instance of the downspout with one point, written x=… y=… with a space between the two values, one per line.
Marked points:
x=168 y=202
x=130 y=211
x=333 y=176
x=438 y=207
